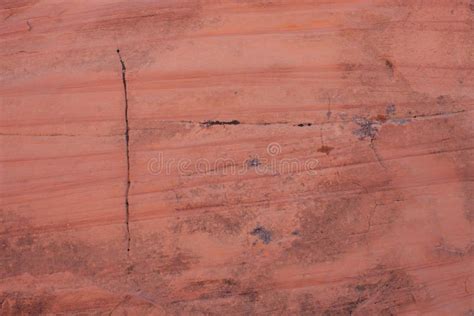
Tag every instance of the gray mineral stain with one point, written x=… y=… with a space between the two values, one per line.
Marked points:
x=262 y=233
x=367 y=128
x=399 y=121
x=254 y=162
x=390 y=109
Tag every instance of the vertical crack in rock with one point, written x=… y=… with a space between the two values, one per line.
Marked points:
x=376 y=153
x=124 y=81
x=325 y=149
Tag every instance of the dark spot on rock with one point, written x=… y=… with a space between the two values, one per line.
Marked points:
x=304 y=124
x=391 y=109
x=325 y=149
x=444 y=100
x=230 y=282
x=296 y=232
x=262 y=233
x=251 y=295
x=360 y=287
x=254 y=162
x=441 y=98
x=389 y=64
x=212 y=122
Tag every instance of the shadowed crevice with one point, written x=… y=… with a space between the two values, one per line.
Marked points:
x=127 y=137
x=212 y=122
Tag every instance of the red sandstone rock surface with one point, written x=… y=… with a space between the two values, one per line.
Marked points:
x=236 y=157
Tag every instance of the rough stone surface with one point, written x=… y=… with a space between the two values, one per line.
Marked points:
x=236 y=157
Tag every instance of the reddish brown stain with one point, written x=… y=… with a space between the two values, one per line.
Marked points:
x=325 y=149
x=380 y=118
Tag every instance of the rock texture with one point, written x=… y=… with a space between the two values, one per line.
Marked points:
x=259 y=157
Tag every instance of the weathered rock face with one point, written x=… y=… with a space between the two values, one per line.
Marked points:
x=236 y=157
